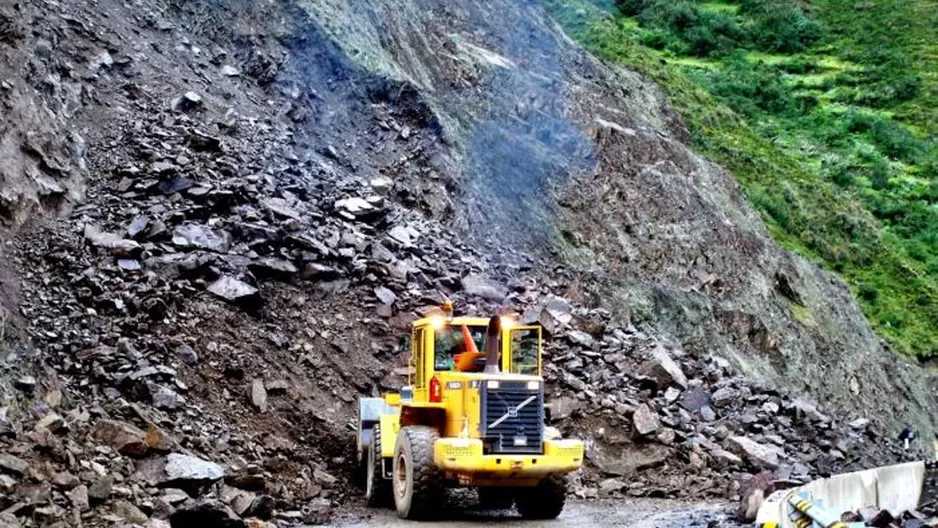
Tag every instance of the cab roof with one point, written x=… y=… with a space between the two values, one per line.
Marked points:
x=455 y=321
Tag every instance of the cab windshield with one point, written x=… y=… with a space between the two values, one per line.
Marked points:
x=449 y=342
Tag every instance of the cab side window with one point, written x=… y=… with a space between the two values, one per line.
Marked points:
x=524 y=351
x=417 y=359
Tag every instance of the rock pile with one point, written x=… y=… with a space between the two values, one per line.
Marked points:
x=193 y=337
x=663 y=423
x=884 y=519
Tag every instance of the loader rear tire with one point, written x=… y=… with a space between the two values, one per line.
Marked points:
x=544 y=501
x=417 y=482
x=377 y=488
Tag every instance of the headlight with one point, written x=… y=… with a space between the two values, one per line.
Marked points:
x=492 y=384
x=507 y=323
x=534 y=385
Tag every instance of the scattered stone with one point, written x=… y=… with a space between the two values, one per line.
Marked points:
x=205 y=513
x=759 y=455
x=195 y=236
x=259 y=395
x=80 y=497
x=25 y=383
x=581 y=338
x=663 y=368
x=100 y=490
x=187 y=102
x=233 y=290
x=385 y=295
x=645 y=421
x=129 y=512
x=482 y=287
x=12 y=464
x=119 y=247
x=187 y=354
x=122 y=436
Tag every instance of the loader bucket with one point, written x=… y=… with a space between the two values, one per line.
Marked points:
x=896 y=488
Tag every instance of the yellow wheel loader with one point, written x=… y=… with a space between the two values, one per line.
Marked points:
x=471 y=415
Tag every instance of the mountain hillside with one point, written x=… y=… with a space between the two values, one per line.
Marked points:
x=218 y=216
x=825 y=113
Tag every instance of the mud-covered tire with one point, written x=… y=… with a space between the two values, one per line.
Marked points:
x=544 y=501
x=417 y=483
x=495 y=498
x=377 y=488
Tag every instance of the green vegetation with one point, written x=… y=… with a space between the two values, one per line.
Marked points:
x=826 y=111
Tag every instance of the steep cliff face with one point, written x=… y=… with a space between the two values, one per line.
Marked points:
x=557 y=153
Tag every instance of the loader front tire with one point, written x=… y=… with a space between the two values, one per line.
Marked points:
x=544 y=501
x=377 y=488
x=417 y=482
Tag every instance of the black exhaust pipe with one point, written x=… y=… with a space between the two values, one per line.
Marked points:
x=492 y=334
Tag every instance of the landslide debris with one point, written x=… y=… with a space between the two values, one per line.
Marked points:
x=262 y=216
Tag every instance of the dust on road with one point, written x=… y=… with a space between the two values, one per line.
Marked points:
x=635 y=513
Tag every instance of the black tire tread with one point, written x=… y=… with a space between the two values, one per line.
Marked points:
x=381 y=490
x=544 y=501
x=428 y=479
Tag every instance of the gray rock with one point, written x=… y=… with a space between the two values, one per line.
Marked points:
x=759 y=455
x=230 y=71
x=803 y=408
x=129 y=512
x=115 y=244
x=187 y=354
x=325 y=479
x=381 y=185
x=12 y=464
x=707 y=414
x=722 y=396
x=25 y=383
x=125 y=438
x=165 y=398
x=581 y=338
x=195 y=236
x=644 y=421
x=401 y=234
x=354 y=206
x=663 y=368
x=610 y=486
x=79 y=497
x=65 y=480
x=100 y=490
x=184 y=469
x=187 y=102
x=205 y=513
x=385 y=295
x=259 y=395
x=273 y=268
x=233 y=290
x=137 y=226
x=695 y=399
x=281 y=208
x=483 y=287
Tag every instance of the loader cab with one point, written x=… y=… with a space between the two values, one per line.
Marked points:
x=437 y=343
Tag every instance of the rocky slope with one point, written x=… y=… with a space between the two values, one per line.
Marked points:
x=245 y=202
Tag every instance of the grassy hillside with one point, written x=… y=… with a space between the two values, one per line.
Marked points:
x=826 y=111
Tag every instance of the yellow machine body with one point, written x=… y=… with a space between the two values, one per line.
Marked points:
x=491 y=425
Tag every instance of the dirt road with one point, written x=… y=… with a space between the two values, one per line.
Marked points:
x=635 y=513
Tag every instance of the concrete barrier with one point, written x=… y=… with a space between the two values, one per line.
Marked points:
x=895 y=488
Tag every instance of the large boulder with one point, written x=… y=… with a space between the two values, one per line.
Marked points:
x=663 y=368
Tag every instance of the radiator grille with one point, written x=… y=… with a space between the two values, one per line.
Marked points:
x=505 y=427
